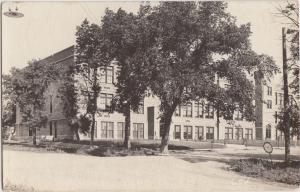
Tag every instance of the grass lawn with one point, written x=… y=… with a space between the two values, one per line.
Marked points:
x=272 y=171
x=108 y=148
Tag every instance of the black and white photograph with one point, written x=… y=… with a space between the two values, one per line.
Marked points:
x=150 y=96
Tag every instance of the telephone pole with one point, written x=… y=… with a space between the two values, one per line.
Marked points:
x=286 y=118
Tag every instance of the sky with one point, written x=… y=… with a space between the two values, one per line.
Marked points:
x=48 y=27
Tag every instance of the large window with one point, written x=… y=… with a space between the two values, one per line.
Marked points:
x=239 y=133
x=268 y=132
x=107 y=75
x=209 y=111
x=228 y=133
x=269 y=104
x=249 y=133
x=199 y=109
x=107 y=129
x=138 y=130
x=177 y=132
x=178 y=111
x=269 y=91
x=188 y=132
x=121 y=130
x=198 y=133
x=209 y=133
x=187 y=110
x=105 y=101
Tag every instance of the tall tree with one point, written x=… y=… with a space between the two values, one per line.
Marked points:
x=26 y=87
x=91 y=55
x=129 y=42
x=194 y=42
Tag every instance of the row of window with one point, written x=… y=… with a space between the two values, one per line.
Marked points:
x=278 y=98
x=107 y=130
x=105 y=103
x=238 y=133
x=188 y=132
x=200 y=110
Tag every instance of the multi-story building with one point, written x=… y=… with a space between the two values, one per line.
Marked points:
x=193 y=121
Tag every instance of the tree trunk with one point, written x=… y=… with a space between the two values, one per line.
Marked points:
x=127 y=143
x=286 y=116
x=218 y=123
x=218 y=111
x=167 y=118
x=94 y=107
x=92 y=130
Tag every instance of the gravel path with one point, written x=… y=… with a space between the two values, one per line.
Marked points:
x=66 y=172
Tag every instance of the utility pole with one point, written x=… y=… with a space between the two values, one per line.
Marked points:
x=286 y=118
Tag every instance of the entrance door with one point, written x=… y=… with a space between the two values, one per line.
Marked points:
x=55 y=129
x=150 y=117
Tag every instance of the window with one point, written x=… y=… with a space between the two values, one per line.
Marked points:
x=178 y=111
x=121 y=130
x=239 y=115
x=51 y=103
x=228 y=133
x=138 y=130
x=107 y=129
x=279 y=135
x=188 y=133
x=269 y=104
x=276 y=116
x=209 y=133
x=107 y=75
x=30 y=131
x=269 y=91
x=249 y=133
x=209 y=111
x=268 y=132
x=140 y=108
x=177 y=132
x=280 y=99
x=276 y=98
x=105 y=101
x=239 y=133
x=198 y=132
x=50 y=126
x=187 y=110
x=199 y=108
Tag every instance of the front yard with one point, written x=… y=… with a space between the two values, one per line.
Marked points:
x=250 y=161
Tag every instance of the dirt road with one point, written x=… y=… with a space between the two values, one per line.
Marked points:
x=66 y=172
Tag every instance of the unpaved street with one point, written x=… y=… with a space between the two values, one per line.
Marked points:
x=66 y=172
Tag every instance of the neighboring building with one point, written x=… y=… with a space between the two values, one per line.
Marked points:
x=57 y=124
x=193 y=121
